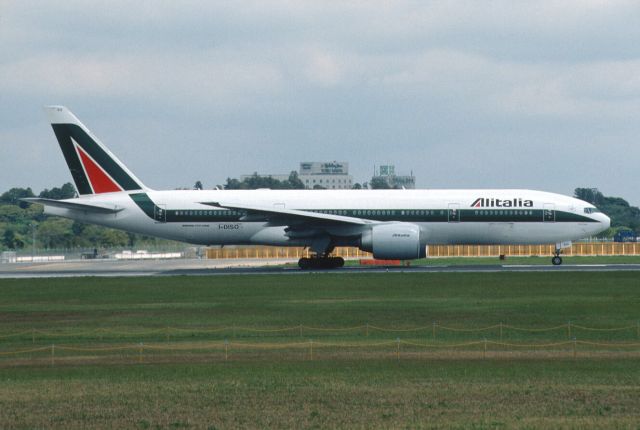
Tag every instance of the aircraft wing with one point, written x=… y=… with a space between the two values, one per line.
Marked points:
x=73 y=205
x=274 y=214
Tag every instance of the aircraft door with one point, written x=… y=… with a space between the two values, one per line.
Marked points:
x=454 y=212
x=549 y=212
x=160 y=213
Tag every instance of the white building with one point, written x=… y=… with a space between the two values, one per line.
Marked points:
x=332 y=175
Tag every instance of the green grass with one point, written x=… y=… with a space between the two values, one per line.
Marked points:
x=355 y=388
x=346 y=394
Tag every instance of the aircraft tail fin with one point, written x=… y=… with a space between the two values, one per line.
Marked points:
x=95 y=169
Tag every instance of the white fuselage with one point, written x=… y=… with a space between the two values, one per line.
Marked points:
x=443 y=216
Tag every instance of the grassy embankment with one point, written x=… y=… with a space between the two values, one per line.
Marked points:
x=359 y=388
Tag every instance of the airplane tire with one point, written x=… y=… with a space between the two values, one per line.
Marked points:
x=304 y=263
x=556 y=261
x=320 y=263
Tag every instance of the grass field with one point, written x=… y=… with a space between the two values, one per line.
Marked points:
x=351 y=388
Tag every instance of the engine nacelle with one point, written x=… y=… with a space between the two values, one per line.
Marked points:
x=397 y=241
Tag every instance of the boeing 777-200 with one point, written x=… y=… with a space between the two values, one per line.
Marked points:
x=391 y=224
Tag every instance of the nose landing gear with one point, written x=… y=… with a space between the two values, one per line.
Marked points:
x=556 y=260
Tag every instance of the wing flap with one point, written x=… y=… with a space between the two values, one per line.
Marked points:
x=74 y=205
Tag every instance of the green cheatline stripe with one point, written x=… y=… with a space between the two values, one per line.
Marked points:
x=431 y=215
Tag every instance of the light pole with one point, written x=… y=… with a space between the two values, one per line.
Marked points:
x=33 y=241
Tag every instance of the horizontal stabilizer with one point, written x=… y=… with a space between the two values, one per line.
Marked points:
x=74 y=205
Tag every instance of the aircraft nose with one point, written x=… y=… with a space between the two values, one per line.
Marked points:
x=606 y=222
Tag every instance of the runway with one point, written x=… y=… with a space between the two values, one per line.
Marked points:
x=196 y=267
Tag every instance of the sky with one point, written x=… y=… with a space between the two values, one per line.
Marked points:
x=465 y=94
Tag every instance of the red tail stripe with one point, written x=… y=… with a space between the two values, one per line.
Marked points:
x=100 y=182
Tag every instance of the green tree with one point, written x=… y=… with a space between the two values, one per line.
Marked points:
x=589 y=195
x=378 y=183
x=111 y=238
x=14 y=195
x=256 y=181
x=67 y=191
x=9 y=239
x=233 y=184
x=622 y=214
x=294 y=182
x=56 y=233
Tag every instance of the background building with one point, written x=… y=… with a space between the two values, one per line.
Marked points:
x=385 y=177
x=330 y=175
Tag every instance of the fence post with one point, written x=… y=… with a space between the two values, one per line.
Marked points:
x=574 y=348
x=501 y=332
x=433 y=330
x=300 y=330
x=33 y=335
x=367 y=330
x=397 y=348
x=140 y=348
x=226 y=350
x=484 y=352
x=311 y=349
x=53 y=354
x=569 y=329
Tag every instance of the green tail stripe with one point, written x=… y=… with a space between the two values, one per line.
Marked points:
x=145 y=203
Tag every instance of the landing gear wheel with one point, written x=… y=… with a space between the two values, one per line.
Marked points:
x=557 y=260
x=320 y=263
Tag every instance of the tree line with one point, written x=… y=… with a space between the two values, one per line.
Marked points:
x=22 y=223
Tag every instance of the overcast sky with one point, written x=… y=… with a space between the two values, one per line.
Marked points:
x=542 y=94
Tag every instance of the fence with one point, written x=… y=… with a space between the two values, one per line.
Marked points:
x=311 y=349
x=433 y=331
x=361 y=341
x=578 y=249
x=284 y=252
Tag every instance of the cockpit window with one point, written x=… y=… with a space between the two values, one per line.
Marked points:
x=592 y=210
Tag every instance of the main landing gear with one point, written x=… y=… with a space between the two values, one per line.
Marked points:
x=320 y=263
x=556 y=260
x=322 y=247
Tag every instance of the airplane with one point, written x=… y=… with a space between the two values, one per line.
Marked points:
x=391 y=224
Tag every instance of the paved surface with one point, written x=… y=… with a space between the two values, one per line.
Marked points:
x=263 y=267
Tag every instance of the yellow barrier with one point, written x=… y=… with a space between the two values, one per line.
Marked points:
x=577 y=249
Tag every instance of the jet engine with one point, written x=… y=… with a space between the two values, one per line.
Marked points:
x=396 y=241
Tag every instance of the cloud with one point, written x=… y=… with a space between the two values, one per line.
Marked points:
x=411 y=81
